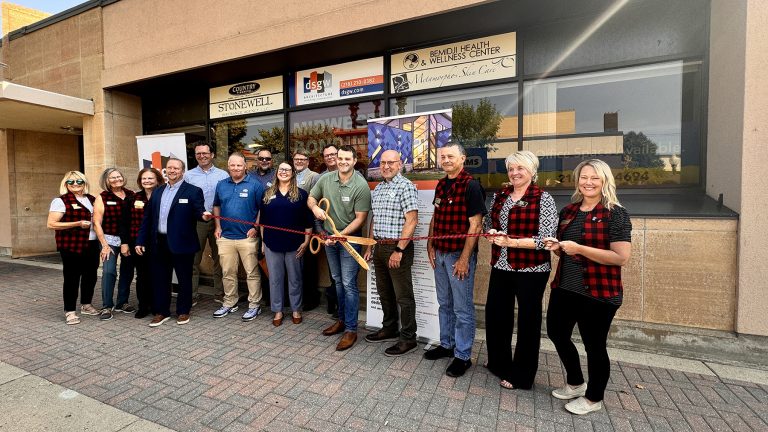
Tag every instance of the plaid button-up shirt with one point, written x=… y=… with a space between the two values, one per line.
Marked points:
x=391 y=201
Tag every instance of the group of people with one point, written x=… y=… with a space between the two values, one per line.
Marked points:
x=164 y=228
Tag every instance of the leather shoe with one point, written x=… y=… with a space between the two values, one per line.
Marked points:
x=458 y=367
x=277 y=321
x=297 y=320
x=347 y=341
x=438 y=352
x=381 y=336
x=400 y=348
x=336 y=328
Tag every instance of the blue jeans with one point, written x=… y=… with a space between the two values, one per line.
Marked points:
x=109 y=276
x=456 y=306
x=344 y=270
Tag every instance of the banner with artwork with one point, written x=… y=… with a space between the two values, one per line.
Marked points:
x=155 y=150
x=416 y=137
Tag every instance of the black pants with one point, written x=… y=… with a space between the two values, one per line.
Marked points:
x=506 y=287
x=594 y=317
x=80 y=275
x=143 y=282
x=162 y=265
x=395 y=288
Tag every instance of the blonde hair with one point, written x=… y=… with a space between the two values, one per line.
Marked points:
x=77 y=176
x=525 y=159
x=293 y=188
x=609 y=199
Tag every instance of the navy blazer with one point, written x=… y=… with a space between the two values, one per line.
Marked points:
x=182 y=219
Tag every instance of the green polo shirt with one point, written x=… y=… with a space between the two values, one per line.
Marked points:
x=346 y=199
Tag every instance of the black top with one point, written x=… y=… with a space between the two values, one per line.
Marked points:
x=572 y=277
x=475 y=197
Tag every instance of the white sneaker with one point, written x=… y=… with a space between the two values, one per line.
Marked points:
x=569 y=392
x=582 y=406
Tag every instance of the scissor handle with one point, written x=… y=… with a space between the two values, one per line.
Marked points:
x=314 y=244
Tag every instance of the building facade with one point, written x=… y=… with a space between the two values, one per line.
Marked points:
x=669 y=93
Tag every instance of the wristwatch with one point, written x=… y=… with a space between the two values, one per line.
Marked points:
x=397 y=249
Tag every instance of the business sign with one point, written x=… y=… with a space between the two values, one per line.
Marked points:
x=342 y=81
x=476 y=60
x=248 y=97
x=477 y=160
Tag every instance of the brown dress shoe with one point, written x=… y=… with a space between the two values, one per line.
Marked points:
x=277 y=321
x=336 y=328
x=297 y=320
x=347 y=341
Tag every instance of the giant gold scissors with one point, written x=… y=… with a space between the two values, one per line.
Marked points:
x=315 y=242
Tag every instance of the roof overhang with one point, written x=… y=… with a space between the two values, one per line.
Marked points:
x=32 y=109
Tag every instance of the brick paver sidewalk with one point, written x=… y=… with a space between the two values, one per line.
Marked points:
x=224 y=374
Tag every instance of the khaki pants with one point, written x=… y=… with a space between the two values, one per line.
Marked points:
x=245 y=250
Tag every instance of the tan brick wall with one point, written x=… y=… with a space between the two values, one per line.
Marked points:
x=17 y=16
x=146 y=38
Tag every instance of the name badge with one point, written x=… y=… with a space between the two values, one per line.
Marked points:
x=111 y=202
x=138 y=204
x=243 y=194
x=436 y=202
x=344 y=199
x=76 y=207
x=183 y=201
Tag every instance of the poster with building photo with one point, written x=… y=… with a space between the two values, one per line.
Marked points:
x=416 y=137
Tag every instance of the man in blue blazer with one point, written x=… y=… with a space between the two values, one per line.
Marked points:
x=169 y=234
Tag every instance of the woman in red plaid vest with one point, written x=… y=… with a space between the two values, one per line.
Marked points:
x=107 y=214
x=133 y=212
x=70 y=216
x=520 y=268
x=594 y=243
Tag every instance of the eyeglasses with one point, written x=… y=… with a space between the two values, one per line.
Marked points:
x=300 y=159
x=285 y=170
x=78 y=181
x=202 y=154
x=389 y=163
x=265 y=159
x=329 y=155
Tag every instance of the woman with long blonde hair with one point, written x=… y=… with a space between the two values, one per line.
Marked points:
x=285 y=206
x=593 y=243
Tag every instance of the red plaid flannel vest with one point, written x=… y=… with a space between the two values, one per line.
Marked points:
x=602 y=281
x=450 y=215
x=110 y=223
x=521 y=222
x=74 y=239
x=136 y=215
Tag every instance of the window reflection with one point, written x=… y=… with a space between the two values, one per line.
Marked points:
x=249 y=136
x=640 y=120
x=346 y=124
x=483 y=119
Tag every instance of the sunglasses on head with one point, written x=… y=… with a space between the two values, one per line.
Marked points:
x=78 y=181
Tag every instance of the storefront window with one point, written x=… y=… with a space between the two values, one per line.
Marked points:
x=484 y=120
x=341 y=125
x=248 y=136
x=643 y=121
